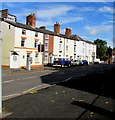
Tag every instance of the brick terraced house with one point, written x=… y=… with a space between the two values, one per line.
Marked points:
x=20 y=43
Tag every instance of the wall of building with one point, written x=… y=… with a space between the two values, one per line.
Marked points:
x=58 y=47
x=29 y=47
x=8 y=33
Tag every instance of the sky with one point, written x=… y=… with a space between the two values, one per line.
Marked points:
x=89 y=20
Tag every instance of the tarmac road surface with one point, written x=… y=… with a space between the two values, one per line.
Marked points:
x=18 y=84
x=89 y=97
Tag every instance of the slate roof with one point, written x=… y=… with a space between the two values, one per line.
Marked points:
x=45 y=31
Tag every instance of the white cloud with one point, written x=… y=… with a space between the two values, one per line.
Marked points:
x=93 y=30
x=64 y=20
x=107 y=22
x=57 y=13
x=106 y=9
x=86 y=9
x=11 y=5
x=44 y=23
x=54 y=11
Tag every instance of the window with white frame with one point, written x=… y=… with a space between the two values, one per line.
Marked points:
x=59 y=46
x=22 y=42
x=74 y=48
x=46 y=36
x=46 y=57
x=74 y=42
x=36 y=34
x=46 y=45
x=66 y=55
x=66 y=47
x=35 y=43
x=24 y=32
x=36 y=57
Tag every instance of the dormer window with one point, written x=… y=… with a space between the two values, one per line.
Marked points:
x=24 y=32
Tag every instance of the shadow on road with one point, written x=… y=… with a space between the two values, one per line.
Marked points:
x=101 y=83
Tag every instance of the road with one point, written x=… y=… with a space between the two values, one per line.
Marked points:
x=17 y=84
x=89 y=97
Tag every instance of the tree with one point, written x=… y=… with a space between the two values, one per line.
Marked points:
x=109 y=51
x=101 y=49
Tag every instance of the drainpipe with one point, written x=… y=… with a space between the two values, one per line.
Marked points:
x=43 y=51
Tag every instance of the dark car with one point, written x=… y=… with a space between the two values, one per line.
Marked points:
x=62 y=62
x=84 y=62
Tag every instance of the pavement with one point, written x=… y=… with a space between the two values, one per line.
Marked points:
x=87 y=97
x=8 y=71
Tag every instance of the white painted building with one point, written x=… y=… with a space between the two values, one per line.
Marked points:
x=20 y=44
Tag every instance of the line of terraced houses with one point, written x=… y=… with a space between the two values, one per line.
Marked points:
x=20 y=41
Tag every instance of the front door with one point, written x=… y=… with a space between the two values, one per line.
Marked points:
x=14 y=60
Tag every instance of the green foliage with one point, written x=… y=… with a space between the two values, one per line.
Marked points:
x=101 y=49
x=109 y=51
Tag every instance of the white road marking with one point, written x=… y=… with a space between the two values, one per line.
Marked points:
x=27 y=78
x=11 y=95
x=31 y=89
x=67 y=79
x=7 y=81
x=6 y=114
x=18 y=79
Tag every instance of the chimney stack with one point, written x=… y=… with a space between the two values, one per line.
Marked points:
x=67 y=32
x=31 y=20
x=43 y=27
x=57 y=28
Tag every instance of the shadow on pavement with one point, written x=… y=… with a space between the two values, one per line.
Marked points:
x=95 y=109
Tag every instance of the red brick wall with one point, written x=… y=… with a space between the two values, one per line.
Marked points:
x=51 y=43
x=57 y=28
x=67 y=32
x=31 y=20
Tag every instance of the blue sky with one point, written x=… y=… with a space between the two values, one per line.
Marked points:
x=90 y=20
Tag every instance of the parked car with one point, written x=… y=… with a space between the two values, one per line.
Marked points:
x=50 y=64
x=97 y=61
x=76 y=62
x=84 y=62
x=62 y=62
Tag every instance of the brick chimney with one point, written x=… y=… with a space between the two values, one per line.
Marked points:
x=31 y=20
x=43 y=27
x=57 y=28
x=67 y=32
x=4 y=13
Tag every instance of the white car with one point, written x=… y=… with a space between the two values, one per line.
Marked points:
x=76 y=62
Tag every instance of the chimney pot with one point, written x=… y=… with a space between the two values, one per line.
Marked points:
x=67 y=32
x=57 y=28
x=31 y=20
x=43 y=27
